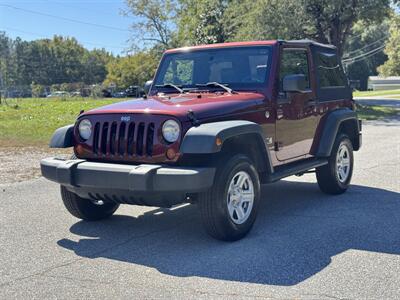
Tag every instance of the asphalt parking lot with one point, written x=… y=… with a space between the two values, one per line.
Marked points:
x=304 y=244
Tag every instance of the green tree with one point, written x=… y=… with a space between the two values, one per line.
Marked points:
x=155 y=21
x=49 y=61
x=131 y=70
x=363 y=51
x=38 y=90
x=332 y=21
x=392 y=66
x=94 y=63
x=326 y=21
x=201 y=22
x=6 y=67
x=264 y=19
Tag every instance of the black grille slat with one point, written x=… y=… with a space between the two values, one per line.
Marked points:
x=121 y=139
x=103 y=138
x=131 y=138
x=149 y=139
x=139 y=139
x=96 y=138
x=113 y=138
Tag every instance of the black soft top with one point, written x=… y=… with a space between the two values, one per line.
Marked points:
x=308 y=42
x=318 y=49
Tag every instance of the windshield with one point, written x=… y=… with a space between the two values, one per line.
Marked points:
x=240 y=68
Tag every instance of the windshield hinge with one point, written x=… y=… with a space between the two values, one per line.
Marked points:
x=193 y=118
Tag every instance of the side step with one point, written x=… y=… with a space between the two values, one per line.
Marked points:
x=295 y=168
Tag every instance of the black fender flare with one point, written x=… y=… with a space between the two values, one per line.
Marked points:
x=63 y=137
x=331 y=127
x=203 y=139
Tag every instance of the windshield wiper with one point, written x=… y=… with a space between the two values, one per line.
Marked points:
x=170 y=85
x=217 y=84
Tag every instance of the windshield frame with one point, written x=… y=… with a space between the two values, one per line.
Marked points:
x=245 y=87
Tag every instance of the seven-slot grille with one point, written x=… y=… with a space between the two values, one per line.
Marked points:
x=123 y=138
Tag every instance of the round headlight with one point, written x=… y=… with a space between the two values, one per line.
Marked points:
x=171 y=131
x=85 y=129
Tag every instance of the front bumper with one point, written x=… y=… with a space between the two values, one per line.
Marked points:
x=151 y=185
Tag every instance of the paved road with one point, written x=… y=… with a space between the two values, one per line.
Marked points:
x=304 y=244
x=381 y=101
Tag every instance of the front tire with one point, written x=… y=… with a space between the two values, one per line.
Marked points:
x=85 y=209
x=229 y=208
x=334 y=178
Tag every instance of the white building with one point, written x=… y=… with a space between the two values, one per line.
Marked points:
x=378 y=83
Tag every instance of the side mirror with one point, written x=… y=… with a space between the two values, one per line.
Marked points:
x=294 y=83
x=147 y=86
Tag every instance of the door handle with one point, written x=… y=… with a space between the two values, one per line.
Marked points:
x=279 y=113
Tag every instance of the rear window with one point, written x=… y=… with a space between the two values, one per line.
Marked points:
x=329 y=71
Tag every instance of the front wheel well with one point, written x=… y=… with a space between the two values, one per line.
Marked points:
x=250 y=144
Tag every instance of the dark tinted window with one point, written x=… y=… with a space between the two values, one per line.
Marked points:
x=329 y=71
x=294 y=61
x=240 y=67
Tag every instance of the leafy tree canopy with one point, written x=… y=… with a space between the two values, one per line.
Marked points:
x=50 y=61
x=131 y=70
x=392 y=66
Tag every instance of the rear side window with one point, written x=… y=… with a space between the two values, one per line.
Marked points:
x=329 y=71
x=294 y=61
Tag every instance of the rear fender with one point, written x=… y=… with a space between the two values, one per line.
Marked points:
x=331 y=127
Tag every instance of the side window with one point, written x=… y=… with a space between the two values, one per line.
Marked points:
x=294 y=61
x=179 y=72
x=329 y=71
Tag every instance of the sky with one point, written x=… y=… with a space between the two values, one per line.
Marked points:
x=94 y=23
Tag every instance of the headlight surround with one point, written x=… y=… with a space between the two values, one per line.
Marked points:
x=85 y=129
x=171 y=131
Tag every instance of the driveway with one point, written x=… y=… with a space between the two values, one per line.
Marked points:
x=379 y=100
x=304 y=244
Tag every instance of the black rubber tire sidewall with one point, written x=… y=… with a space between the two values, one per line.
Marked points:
x=85 y=209
x=216 y=218
x=327 y=177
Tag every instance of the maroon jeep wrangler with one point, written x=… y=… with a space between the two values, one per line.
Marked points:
x=217 y=122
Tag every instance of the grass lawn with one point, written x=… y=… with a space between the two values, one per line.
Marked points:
x=32 y=121
x=395 y=93
x=375 y=112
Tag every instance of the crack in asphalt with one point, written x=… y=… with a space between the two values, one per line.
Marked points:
x=327 y=296
x=77 y=279
x=206 y=293
x=392 y=164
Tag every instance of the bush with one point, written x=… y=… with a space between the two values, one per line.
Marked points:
x=38 y=90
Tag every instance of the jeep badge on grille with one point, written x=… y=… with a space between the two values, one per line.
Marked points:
x=125 y=118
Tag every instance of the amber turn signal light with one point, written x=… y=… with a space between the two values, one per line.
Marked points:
x=79 y=150
x=171 y=154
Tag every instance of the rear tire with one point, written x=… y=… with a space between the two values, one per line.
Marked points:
x=85 y=209
x=229 y=208
x=334 y=178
